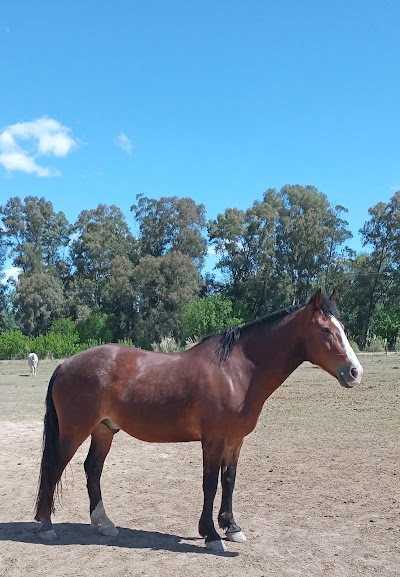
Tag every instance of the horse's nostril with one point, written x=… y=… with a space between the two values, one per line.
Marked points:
x=354 y=372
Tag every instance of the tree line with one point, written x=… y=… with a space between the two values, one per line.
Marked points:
x=103 y=283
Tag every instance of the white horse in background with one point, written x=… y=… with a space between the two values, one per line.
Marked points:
x=33 y=362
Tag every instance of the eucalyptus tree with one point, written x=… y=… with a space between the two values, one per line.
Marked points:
x=35 y=234
x=336 y=254
x=171 y=223
x=274 y=253
x=3 y=253
x=163 y=286
x=228 y=236
x=245 y=241
x=120 y=298
x=309 y=234
x=39 y=300
x=37 y=238
x=379 y=279
x=100 y=236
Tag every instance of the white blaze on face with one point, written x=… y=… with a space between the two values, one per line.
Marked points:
x=351 y=355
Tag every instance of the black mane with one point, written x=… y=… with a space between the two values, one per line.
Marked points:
x=229 y=338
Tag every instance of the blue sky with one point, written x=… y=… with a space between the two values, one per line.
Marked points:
x=216 y=100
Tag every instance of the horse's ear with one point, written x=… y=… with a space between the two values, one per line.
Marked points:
x=317 y=299
x=333 y=296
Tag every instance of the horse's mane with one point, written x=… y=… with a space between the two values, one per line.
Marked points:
x=229 y=338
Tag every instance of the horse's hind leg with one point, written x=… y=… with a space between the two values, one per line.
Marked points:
x=66 y=448
x=228 y=476
x=102 y=437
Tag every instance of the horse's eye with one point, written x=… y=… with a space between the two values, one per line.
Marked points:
x=325 y=330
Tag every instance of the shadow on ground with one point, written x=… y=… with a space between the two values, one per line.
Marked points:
x=81 y=534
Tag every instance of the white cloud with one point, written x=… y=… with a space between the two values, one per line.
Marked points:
x=24 y=163
x=125 y=143
x=22 y=143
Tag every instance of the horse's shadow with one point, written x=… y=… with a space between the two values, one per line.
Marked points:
x=82 y=534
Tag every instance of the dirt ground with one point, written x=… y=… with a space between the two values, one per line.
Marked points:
x=317 y=492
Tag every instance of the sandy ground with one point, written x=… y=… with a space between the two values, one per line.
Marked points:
x=317 y=491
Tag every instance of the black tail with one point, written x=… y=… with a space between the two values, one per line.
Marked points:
x=50 y=475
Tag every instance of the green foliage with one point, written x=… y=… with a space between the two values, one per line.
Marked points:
x=102 y=238
x=163 y=286
x=63 y=326
x=39 y=300
x=90 y=343
x=61 y=341
x=35 y=232
x=171 y=224
x=273 y=253
x=382 y=234
x=14 y=345
x=94 y=328
x=116 y=287
x=211 y=314
x=127 y=342
x=55 y=345
x=7 y=312
x=386 y=322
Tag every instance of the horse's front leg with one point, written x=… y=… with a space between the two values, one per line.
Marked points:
x=228 y=476
x=212 y=454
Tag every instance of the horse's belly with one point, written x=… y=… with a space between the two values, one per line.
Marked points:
x=162 y=435
x=160 y=428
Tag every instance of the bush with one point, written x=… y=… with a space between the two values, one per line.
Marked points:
x=90 y=343
x=56 y=345
x=376 y=345
x=94 y=327
x=166 y=345
x=128 y=342
x=14 y=345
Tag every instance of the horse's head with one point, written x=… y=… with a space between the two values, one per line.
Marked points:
x=327 y=344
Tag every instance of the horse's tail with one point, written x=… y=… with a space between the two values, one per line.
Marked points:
x=49 y=478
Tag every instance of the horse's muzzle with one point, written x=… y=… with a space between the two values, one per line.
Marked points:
x=350 y=377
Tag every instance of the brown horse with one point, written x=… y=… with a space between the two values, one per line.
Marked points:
x=213 y=393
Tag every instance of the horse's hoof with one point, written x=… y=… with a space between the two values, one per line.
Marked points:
x=218 y=546
x=47 y=535
x=108 y=530
x=236 y=537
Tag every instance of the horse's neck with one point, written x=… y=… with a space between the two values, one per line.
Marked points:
x=275 y=351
